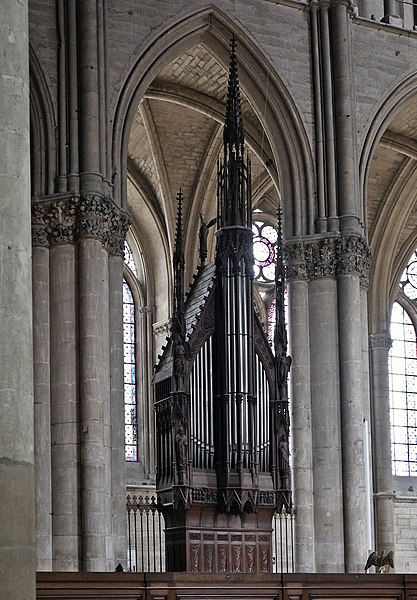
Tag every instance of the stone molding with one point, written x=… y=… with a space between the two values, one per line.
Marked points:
x=328 y=257
x=68 y=219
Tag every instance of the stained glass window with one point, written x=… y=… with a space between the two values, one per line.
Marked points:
x=408 y=282
x=403 y=392
x=403 y=377
x=128 y=259
x=129 y=359
x=264 y=250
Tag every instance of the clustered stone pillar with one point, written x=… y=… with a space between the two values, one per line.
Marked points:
x=325 y=300
x=84 y=237
x=17 y=472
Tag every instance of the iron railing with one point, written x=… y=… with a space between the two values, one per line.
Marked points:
x=146 y=537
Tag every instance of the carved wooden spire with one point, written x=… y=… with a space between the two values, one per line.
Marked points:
x=280 y=334
x=234 y=198
x=178 y=314
x=233 y=135
x=282 y=368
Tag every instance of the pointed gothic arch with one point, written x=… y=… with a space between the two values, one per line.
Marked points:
x=277 y=113
x=42 y=130
x=390 y=253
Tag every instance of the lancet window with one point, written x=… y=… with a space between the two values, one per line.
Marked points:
x=403 y=374
x=129 y=363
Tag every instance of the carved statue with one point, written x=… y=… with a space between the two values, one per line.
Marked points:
x=284 y=455
x=181 y=444
x=181 y=355
x=283 y=368
x=203 y=234
x=381 y=562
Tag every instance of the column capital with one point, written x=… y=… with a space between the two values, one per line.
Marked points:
x=67 y=218
x=380 y=340
x=328 y=257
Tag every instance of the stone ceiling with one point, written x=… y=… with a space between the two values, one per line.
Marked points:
x=176 y=140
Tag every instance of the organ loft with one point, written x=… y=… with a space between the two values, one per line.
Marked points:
x=221 y=391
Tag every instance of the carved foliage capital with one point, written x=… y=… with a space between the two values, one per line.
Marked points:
x=328 y=257
x=68 y=219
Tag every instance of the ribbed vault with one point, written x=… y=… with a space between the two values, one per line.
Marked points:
x=175 y=142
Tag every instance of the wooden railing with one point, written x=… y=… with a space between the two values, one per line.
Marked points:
x=177 y=586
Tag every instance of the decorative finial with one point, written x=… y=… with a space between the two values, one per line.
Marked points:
x=178 y=263
x=280 y=337
x=233 y=128
x=234 y=179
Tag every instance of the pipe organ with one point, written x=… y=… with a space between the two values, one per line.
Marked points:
x=221 y=398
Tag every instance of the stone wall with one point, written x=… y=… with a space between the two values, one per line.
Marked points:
x=405 y=524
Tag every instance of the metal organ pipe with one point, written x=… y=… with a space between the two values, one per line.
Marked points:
x=202 y=408
x=263 y=413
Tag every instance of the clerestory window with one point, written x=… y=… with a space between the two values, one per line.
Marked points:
x=403 y=374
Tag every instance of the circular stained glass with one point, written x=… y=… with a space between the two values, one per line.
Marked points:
x=412 y=273
x=263 y=251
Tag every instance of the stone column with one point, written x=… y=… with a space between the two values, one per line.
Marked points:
x=94 y=354
x=366 y=386
x=64 y=407
x=42 y=406
x=101 y=228
x=118 y=463
x=379 y=345
x=352 y=414
x=391 y=15
x=353 y=259
x=94 y=401
x=344 y=114
x=327 y=467
x=17 y=473
x=325 y=402
x=146 y=390
x=301 y=434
